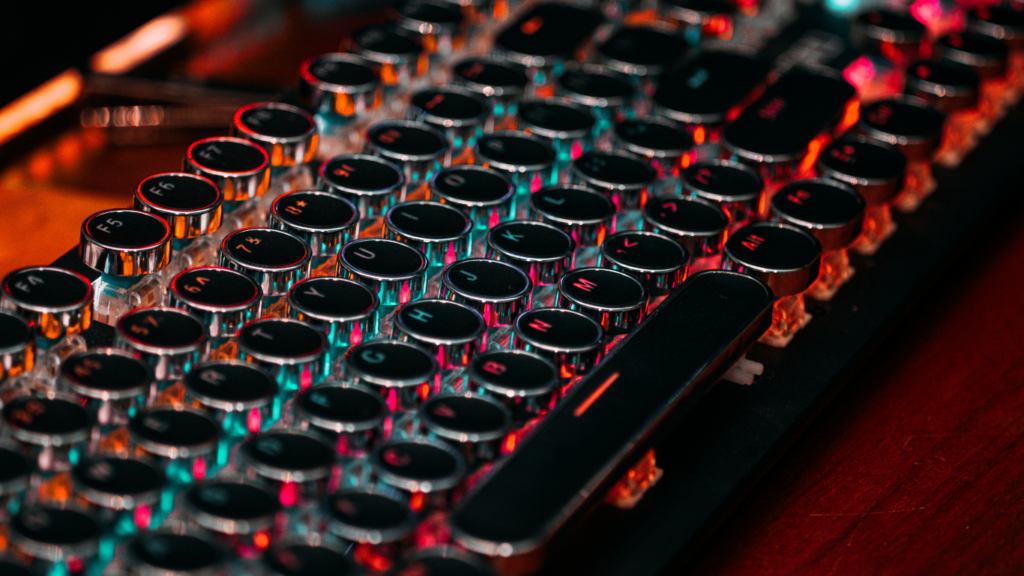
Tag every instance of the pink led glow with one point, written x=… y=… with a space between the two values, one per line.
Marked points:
x=199 y=468
x=142 y=516
x=255 y=420
x=289 y=494
x=860 y=73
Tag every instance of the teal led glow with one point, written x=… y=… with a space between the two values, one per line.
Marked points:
x=58 y=569
x=73 y=456
x=499 y=109
x=842 y=6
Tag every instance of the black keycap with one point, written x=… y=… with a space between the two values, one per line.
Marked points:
x=54 y=301
x=626 y=179
x=17 y=345
x=230 y=385
x=288 y=456
x=307 y=560
x=663 y=143
x=369 y=182
x=526 y=383
x=906 y=123
x=875 y=170
x=231 y=507
x=440 y=231
x=369 y=514
x=450 y=330
x=896 y=35
x=983 y=54
x=285 y=347
x=344 y=310
x=53 y=534
x=275 y=259
x=1004 y=23
x=474 y=424
x=125 y=242
x=494 y=79
x=498 y=290
x=42 y=421
x=570 y=339
x=657 y=261
x=118 y=483
x=190 y=204
x=595 y=86
x=784 y=257
x=948 y=86
x=483 y=194
x=708 y=87
x=697 y=224
x=541 y=250
x=172 y=554
x=732 y=186
x=547 y=34
x=398 y=370
x=641 y=51
x=418 y=464
x=240 y=168
x=829 y=210
x=515 y=152
x=341 y=408
x=555 y=120
x=168 y=339
x=393 y=270
x=221 y=298
x=617 y=301
x=171 y=433
x=105 y=374
x=325 y=221
x=582 y=213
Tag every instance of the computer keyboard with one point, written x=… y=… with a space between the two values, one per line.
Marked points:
x=455 y=303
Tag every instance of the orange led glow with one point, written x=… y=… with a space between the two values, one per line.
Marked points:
x=39 y=104
x=416 y=501
x=144 y=43
x=56 y=489
x=813 y=151
x=115 y=442
x=367 y=555
x=261 y=540
x=628 y=490
x=699 y=135
x=850 y=116
x=586 y=404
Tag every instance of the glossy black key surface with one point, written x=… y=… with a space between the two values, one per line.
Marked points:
x=709 y=86
x=831 y=211
x=614 y=299
x=281 y=341
x=331 y=299
x=231 y=507
x=865 y=165
x=578 y=211
x=656 y=260
x=653 y=138
x=177 y=193
x=230 y=385
x=162 y=330
x=260 y=249
x=51 y=533
x=594 y=85
x=390 y=363
x=418 y=464
x=696 y=224
x=470 y=187
x=906 y=122
x=722 y=182
x=985 y=55
x=46 y=421
x=448 y=107
x=360 y=175
x=555 y=120
x=212 y=289
x=541 y=250
x=381 y=259
x=106 y=374
x=118 y=483
x=553 y=331
x=785 y=257
x=421 y=221
x=126 y=229
x=381 y=44
x=307 y=560
x=465 y=417
x=288 y=456
x=439 y=322
x=46 y=289
x=949 y=86
x=167 y=553
x=479 y=280
x=490 y=77
x=272 y=122
x=341 y=408
x=586 y=441
x=401 y=141
x=514 y=152
x=642 y=51
x=310 y=212
x=547 y=32
x=368 y=515
x=172 y=433
x=354 y=74
x=513 y=373
x=227 y=156
x=613 y=171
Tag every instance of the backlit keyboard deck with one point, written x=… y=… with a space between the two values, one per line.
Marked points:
x=439 y=308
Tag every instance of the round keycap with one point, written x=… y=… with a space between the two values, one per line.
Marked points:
x=983 y=54
x=513 y=374
x=570 y=339
x=708 y=87
x=54 y=534
x=273 y=258
x=465 y=417
x=339 y=84
x=369 y=514
x=395 y=53
x=439 y=230
x=307 y=560
x=615 y=300
x=281 y=341
x=221 y=298
x=491 y=78
x=404 y=141
x=830 y=211
x=444 y=561
x=288 y=456
x=162 y=331
x=539 y=249
x=641 y=51
x=594 y=86
x=516 y=152
x=231 y=507
x=582 y=213
x=784 y=257
x=732 y=186
x=654 y=139
x=498 y=290
x=385 y=265
x=624 y=177
x=906 y=123
x=696 y=224
x=54 y=301
x=445 y=107
x=170 y=554
x=240 y=168
x=230 y=385
x=118 y=483
x=1004 y=23
x=657 y=261
x=14 y=471
x=555 y=119
x=341 y=408
x=418 y=464
x=896 y=35
x=335 y=305
x=174 y=433
x=390 y=363
x=946 y=85
x=875 y=170
x=106 y=374
x=125 y=242
x=437 y=322
x=546 y=35
x=369 y=182
x=323 y=220
x=434 y=23
x=191 y=204
x=287 y=133
x=43 y=421
x=475 y=190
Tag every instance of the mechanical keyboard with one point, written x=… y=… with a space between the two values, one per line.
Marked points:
x=498 y=288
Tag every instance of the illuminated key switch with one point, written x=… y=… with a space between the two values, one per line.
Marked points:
x=617 y=301
x=527 y=384
x=571 y=340
x=498 y=290
x=877 y=172
x=732 y=186
x=440 y=231
x=240 y=516
x=55 y=539
x=585 y=215
x=17 y=346
x=293 y=352
x=221 y=298
x=657 y=261
x=239 y=168
x=642 y=53
x=192 y=205
x=394 y=271
x=451 y=331
x=527 y=160
x=667 y=147
x=124 y=488
x=339 y=87
x=416 y=148
x=788 y=259
x=113 y=382
x=52 y=429
x=988 y=58
x=344 y=310
x=397 y=56
x=238 y=395
x=701 y=18
x=288 y=134
x=474 y=425
x=436 y=27
x=325 y=221
x=698 y=225
x=484 y=195
x=831 y=212
x=568 y=126
x=782 y=133
x=296 y=465
x=401 y=372
x=424 y=469
x=606 y=93
x=351 y=414
x=897 y=36
x=458 y=113
x=274 y=259
x=298 y=556
x=539 y=249
x=444 y=560
x=125 y=243
x=171 y=554
x=55 y=302
x=501 y=83
x=376 y=520
x=169 y=340
x=708 y=91
x=952 y=89
x=180 y=439
x=368 y=182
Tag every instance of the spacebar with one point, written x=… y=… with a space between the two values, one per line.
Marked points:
x=594 y=434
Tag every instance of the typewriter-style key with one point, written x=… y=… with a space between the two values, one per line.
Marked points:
x=354 y=414
x=118 y=483
x=55 y=538
x=440 y=231
x=237 y=513
x=376 y=520
x=626 y=179
x=274 y=259
x=527 y=160
x=1004 y=23
x=664 y=144
x=541 y=250
x=181 y=439
x=339 y=85
x=954 y=90
x=169 y=340
x=545 y=37
x=501 y=83
x=53 y=429
x=457 y=112
x=296 y=464
x=324 y=220
x=394 y=271
x=397 y=56
x=444 y=561
x=415 y=147
x=313 y=557
x=14 y=475
x=370 y=183
x=191 y=205
x=568 y=126
x=239 y=168
x=641 y=52
x=733 y=187
x=401 y=372
x=111 y=381
x=704 y=18
x=831 y=212
x=788 y=260
x=988 y=58
x=17 y=346
x=293 y=352
x=527 y=384
x=584 y=214
x=897 y=36
x=424 y=468
x=169 y=554
x=55 y=302
x=657 y=261
x=484 y=195
x=605 y=92
x=435 y=25
x=452 y=331
x=617 y=301
x=697 y=224
x=222 y=299
x=124 y=242
x=708 y=91
x=344 y=310
x=287 y=133
x=876 y=171
x=570 y=339
x=475 y=425
x=238 y=395
x=498 y=290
